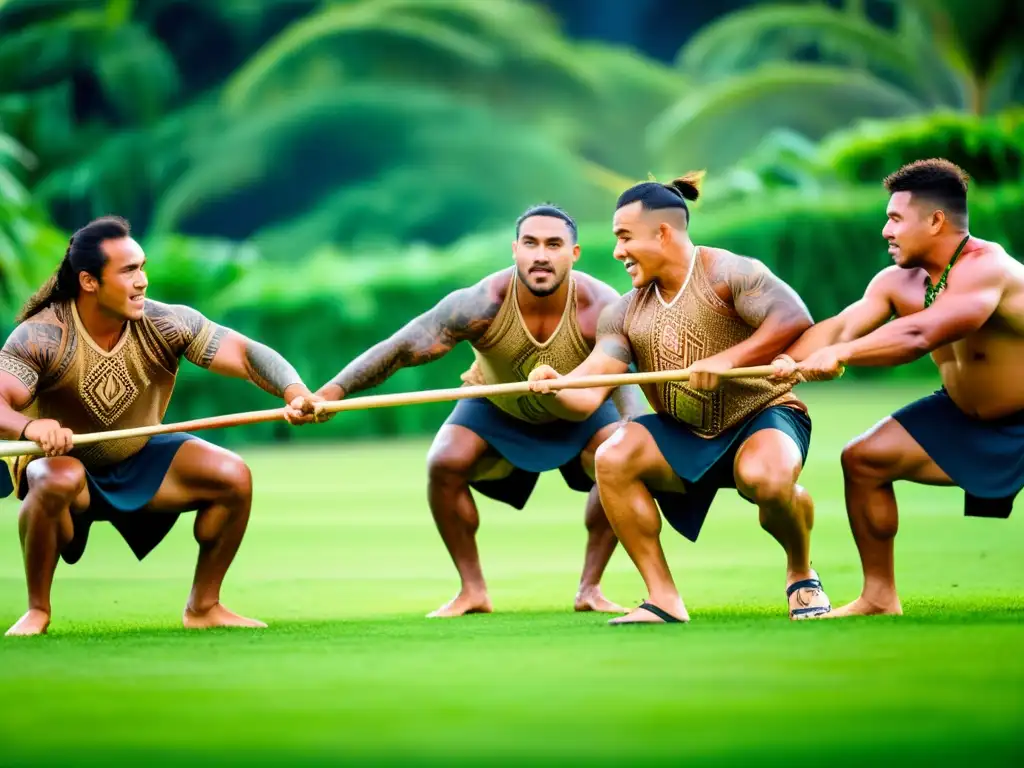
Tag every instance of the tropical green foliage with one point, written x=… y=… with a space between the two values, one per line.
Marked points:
x=438 y=118
x=814 y=68
x=315 y=174
x=25 y=233
x=991 y=147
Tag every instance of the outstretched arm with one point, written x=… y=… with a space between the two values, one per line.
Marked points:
x=463 y=315
x=860 y=318
x=612 y=354
x=963 y=308
x=242 y=358
x=224 y=351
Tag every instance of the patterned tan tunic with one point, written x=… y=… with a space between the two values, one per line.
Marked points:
x=695 y=325
x=88 y=389
x=508 y=352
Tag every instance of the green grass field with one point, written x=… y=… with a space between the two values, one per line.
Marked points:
x=343 y=561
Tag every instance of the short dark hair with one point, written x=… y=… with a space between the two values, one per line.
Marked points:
x=546 y=209
x=84 y=254
x=655 y=196
x=936 y=180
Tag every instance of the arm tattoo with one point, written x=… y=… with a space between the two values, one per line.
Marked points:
x=463 y=315
x=187 y=332
x=756 y=292
x=611 y=331
x=268 y=370
x=30 y=351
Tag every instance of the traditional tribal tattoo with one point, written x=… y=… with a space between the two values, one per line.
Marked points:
x=611 y=330
x=30 y=351
x=464 y=315
x=177 y=324
x=187 y=331
x=268 y=370
x=756 y=292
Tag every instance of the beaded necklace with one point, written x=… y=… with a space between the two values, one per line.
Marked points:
x=932 y=291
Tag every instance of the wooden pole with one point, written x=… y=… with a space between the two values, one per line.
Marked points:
x=28 y=448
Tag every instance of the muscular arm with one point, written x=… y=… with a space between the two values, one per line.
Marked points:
x=629 y=400
x=860 y=318
x=224 y=351
x=963 y=308
x=612 y=354
x=30 y=349
x=463 y=315
x=765 y=303
x=242 y=358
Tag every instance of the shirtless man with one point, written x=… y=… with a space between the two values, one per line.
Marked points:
x=541 y=311
x=961 y=300
x=708 y=310
x=91 y=353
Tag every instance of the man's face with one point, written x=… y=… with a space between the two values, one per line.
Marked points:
x=544 y=254
x=639 y=243
x=121 y=292
x=910 y=229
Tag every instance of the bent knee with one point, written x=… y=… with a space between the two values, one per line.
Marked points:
x=234 y=476
x=766 y=485
x=864 y=457
x=588 y=456
x=56 y=482
x=450 y=463
x=622 y=453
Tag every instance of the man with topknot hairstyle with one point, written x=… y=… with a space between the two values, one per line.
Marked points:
x=707 y=310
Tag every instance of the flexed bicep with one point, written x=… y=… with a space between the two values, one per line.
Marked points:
x=760 y=296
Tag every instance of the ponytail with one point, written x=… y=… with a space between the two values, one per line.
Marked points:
x=57 y=288
x=688 y=185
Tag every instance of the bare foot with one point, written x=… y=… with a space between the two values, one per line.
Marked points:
x=591 y=599
x=35 y=622
x=462 y=604
x=217 y=616
x=862 y=607
x=651 y=614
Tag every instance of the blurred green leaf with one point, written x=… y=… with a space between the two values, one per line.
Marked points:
x=505 y=51
x=371 y=162
x=810 y=99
